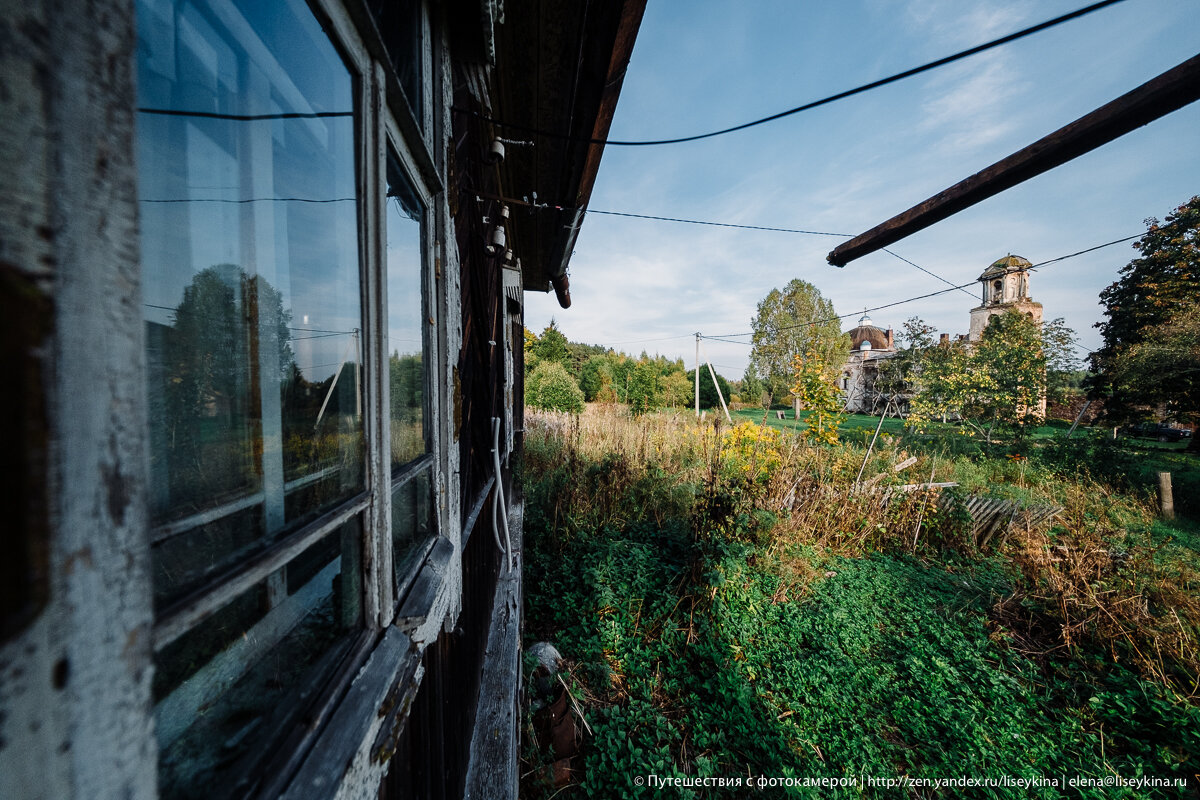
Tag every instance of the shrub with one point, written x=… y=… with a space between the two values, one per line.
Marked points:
x=643 y=389
x=551 y=387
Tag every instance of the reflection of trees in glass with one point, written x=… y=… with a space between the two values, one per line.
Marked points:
x=210 y=390
x=407 y=387
x=230 y=344
x=312 y=440
x=213 y=342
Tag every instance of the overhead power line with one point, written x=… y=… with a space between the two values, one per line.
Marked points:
x=941 y=62
x=927 y=272
x=755 y=228
x=729 y=336
x=641 y=341
x=1090 y=249
x=721 y=339
x=716 y=224
x=534 y=205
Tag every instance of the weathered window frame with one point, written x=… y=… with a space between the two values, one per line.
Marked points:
x=265 y=567
x=387 y=121
x=426 y=464
x=181 y=616
x=384 y=121
x=392 y=671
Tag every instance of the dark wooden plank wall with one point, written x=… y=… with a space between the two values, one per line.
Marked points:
x=480 y=365
x=431 y=754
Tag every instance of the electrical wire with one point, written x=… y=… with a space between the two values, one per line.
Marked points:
x=755 y=228
x=714 y=224
x=728 y=337
x=941 y=62
x=640 y=341
x=927 y=272
x=1040 y=264
x=546 y=206
x=1090 y=249
x=718 y=338
x=174 y=112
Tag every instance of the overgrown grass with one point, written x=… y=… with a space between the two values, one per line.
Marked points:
x=730 y=605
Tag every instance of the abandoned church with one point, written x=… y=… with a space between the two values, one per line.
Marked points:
x=1005 y=287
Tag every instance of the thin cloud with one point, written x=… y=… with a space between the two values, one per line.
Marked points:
x=972 y=106
x=953 y=23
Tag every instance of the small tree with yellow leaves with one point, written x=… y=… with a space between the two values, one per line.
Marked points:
x=815 y=386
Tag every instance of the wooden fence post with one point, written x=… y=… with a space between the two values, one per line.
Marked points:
x=1164 y=495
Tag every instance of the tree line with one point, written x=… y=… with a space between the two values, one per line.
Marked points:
x=1148 y=366
x=562 y=375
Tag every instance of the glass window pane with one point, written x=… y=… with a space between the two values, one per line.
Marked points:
x=235 y=684
x=406 y=338
x=250 y=278
x=412 y=521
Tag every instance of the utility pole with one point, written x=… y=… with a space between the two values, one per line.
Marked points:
x=697 y=374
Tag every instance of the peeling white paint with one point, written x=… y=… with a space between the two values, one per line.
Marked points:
x=75 y=700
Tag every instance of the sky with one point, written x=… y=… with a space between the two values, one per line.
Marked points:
x=701 y=65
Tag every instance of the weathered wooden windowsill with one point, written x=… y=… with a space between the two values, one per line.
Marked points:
x=495 y=742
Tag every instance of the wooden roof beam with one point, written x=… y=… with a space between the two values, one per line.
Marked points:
x=1170 y=91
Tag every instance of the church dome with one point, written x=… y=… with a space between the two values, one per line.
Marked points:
x=867 y=337
x=1003 y=266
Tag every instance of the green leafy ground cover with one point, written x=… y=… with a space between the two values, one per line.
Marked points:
x=711 y=633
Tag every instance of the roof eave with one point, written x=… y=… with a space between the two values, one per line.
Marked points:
x=579 y=54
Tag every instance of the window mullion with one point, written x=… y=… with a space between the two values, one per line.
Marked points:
x=188 y=613
x=446 y=303
x=379 y=597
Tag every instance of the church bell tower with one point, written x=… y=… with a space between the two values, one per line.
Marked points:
x=1005 y=286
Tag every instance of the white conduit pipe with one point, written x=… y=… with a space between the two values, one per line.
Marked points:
x=498 y=504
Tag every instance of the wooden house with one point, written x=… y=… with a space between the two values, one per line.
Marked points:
x=262 y=268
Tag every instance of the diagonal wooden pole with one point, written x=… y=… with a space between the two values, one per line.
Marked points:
x=873 y=438
x=720 y=396
x=1170 y=91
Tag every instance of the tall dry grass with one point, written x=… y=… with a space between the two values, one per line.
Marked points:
x=724 y=477
x=1090 y=581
